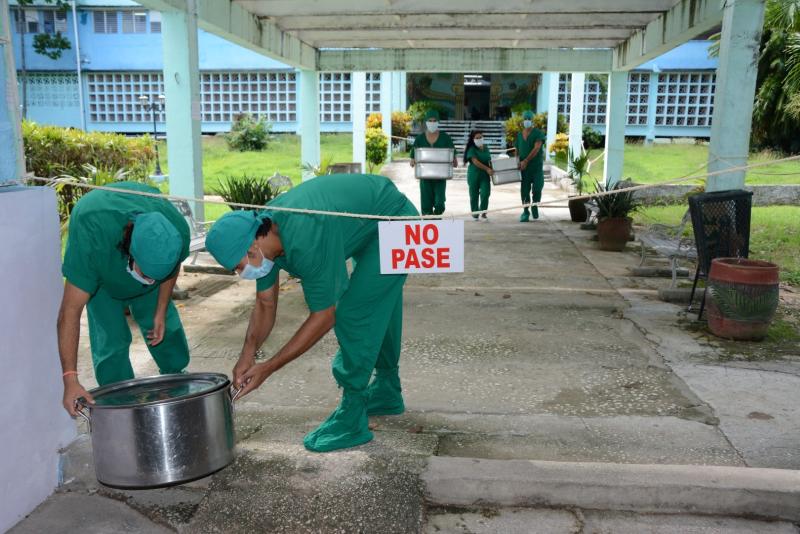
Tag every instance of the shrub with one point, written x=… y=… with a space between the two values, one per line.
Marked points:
x=377 y=144
x=514 y=125
x=418 y=109
x=375 y=120
x=248 y=133
x=401 y=125
x=560 y=145
x=617 y=205
x=592 y=138
x=245 y=189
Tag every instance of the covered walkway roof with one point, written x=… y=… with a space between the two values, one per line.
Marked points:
x=426 y=35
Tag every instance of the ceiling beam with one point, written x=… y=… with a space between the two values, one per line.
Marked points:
x=686 y=20
x=446 y=34
x=230 y=21
x=457 y=44
x=461 y=60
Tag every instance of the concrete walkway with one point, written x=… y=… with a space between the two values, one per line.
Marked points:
x=545 y=349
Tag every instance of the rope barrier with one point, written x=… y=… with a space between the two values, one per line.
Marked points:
x=540 y=204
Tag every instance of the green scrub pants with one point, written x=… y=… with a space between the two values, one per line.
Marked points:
x=110 y=336
x=480 y=187
x=534 y=183
x=432 y=196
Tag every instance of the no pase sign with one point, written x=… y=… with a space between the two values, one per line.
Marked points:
x=421 y=246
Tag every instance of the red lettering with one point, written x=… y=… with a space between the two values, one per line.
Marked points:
x=443 y=258
x=428 y=259
x=397 y=257
x=412 y=234
x=430 y=234
x=411 y=260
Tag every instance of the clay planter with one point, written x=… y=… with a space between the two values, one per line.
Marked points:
x=613 y=233
x=577 y=211
x=743 y=297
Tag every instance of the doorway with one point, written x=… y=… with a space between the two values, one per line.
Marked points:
x=477 y=97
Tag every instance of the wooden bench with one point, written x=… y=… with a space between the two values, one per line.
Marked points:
x=669 y=242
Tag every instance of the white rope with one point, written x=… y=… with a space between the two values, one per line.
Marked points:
x=540 y=204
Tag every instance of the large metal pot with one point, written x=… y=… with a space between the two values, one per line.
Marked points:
x=161 y=430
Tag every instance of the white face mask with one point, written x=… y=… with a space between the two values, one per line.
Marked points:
x=478 y=142
x=432 y=126
x=254 y=273
x=527 y=123
x=139 y=278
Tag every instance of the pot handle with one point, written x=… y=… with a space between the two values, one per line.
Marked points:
x=233 y=391
x=80 y=405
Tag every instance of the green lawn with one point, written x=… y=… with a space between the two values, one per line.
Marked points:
x=659 y=163
x=774 y=234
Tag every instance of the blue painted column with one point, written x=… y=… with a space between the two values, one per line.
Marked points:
x=358 y=114
x=616 y=108
x=552 y=110
x=182 y=91
x=403 y=92
x=543 y=92
x=652 y=102
x=576 y=112
x=386 y=110
x=12 y=159
x=309 y=120
x=735 y=91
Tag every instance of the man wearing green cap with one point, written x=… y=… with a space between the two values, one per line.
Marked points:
x=123 y=252
x=529 y=145
x=432 y=191
x=365 y=309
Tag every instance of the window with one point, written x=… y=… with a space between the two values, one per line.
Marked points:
x=55 y=21
x=155 y=22
x=134 y=22
x=114 y=96
x=29 y=23
x=685 y=99
x=373 y=93
x=334 y=96
x=105 y=22
x=268 y=95
x=638 y=95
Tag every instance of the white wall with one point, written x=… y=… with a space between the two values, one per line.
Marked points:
x=34 y=426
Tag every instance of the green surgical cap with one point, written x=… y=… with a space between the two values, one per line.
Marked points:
x=431 y=114
x=528 y=115
x=231 y=236
x=155 y=245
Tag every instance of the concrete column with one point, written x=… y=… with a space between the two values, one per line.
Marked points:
x=552 y=110
x=358 y=114
x=576 y=112
x=386 y=110
x=542 y=92
x=12 y=161
x=616 y=108
x=733 y=99
x=403 y=91
x=308 y=108
x=652 y=102
x=182 y=90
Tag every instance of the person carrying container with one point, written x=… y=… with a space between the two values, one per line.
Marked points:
x=432 y=191
x=529 y=144
x=479 y=158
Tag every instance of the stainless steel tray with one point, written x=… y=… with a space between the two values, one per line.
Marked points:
x=506 y=177
x=505 y=164
x=434 y=155
x=433 y=171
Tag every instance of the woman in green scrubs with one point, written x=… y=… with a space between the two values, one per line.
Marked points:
x=365 y=309
x=432 y=191
x=479 y=158
x=529 y=145
x=123 y=252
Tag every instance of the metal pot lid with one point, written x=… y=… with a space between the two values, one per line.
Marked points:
x=157 y=389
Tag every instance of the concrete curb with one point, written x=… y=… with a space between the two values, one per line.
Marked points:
x=713 y=490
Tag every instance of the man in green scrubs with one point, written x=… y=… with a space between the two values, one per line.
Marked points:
x=123 y=252
x=432 y=191
x=529 y=145
x=365 y=309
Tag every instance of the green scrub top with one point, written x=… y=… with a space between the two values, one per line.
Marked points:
x=484 y=155
x=93 y=258
x=525 y=147
x=316 y=247
x=443 y=141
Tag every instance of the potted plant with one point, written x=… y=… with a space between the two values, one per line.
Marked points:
x=578 y=168
x=614 y=223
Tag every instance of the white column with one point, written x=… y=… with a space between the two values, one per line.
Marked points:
x=616 y=108
x=12 y=162
x=652 y=102
x=403 y=91
x=552 y=110
x=358 y=114
x=733 y=99
x=542 y=92
x=576 y=113
x=386 y=110
x=308 y=108
x=182 y=89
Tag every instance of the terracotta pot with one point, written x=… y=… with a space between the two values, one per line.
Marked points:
x=743 y=297
x=577 y=211
x=613 y=233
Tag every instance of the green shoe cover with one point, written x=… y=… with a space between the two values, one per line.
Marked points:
x=384 y=394
x=525 y=216
x=347 y=426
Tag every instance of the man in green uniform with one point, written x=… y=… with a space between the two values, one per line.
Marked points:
x=365 y=309
x=529 y=145
x=432 y=192
x=123 y=252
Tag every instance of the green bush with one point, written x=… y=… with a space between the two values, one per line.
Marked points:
x=514 y=124
x=401 y=125
x=375 y=120
x=245 y=189
x=248 y=133
x=592 y=139
x=418 y=109
x=377 y=144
